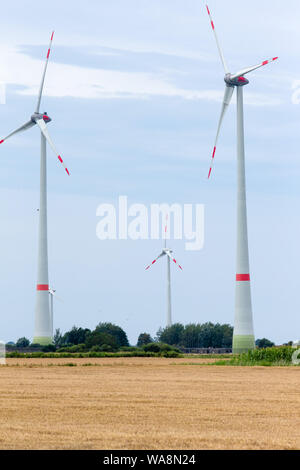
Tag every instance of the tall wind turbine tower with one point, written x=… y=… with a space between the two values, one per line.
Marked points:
x=167 y=252
x=243 y=334
x=43 y=323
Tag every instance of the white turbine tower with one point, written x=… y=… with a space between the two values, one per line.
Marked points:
x=243 y=335
x=168 y=253
x=43 y=323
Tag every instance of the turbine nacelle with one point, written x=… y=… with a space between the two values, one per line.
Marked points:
x=37 y=116
x=232 y=80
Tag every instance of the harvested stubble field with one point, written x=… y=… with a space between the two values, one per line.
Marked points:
x=147 y=403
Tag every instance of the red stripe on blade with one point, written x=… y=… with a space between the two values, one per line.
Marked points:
x=212 y=24
x=52 y=35
x=42 y=287
x=214 y=152
x=207 y=10
x=209 y=173
x=1 y=141
x=59 y=158
x=48 y=54
x=243 y=277
x=265 y=62
x=67 y=171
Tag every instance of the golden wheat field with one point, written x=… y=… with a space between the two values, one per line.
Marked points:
x=147 y=403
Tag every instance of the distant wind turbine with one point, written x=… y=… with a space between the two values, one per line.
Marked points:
x=43 y=326
x=52 y=295
x=243 y=335
x=167 y=252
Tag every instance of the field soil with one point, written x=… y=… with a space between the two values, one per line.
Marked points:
x=147 y=403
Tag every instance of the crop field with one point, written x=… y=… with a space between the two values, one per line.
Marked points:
x=147 y=403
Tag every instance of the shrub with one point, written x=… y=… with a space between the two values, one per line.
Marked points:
x=264 y=343
x=159 y=348
x=97 y=338
x=152 y=347
x=130 y=348
x=49 y=348
x=73 y=349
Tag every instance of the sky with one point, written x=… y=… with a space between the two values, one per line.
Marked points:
x=134 y=90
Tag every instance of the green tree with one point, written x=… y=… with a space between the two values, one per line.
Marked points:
x=227 y=336
x=144 y=338
x=264 y=343
x=22 y=343
x=207 y=335
x=171 y=334
x=98 y=339
x=57 y=338
x=116 y=331
x=191 y=336
x=75 y=336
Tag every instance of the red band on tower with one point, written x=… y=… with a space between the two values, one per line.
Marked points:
x=243 y=277
x=42 y=287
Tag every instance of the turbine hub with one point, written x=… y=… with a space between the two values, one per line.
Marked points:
x=43 y=116
x=238 y=81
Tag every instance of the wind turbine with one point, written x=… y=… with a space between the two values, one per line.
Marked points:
x=52 y=295
x=243 y=335
x=43 y=326
x=168 y=253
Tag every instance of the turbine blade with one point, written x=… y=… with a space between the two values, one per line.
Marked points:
x=254 y=67
x=217 y=41
x=43 y=77
x=153 y=262
x=52 y=292
x=57 y=298
x=23 y=128
x=43 y=127
x=175 y=261
x=226 y=101
x=166 y=229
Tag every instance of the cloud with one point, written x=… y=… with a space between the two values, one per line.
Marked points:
x=68 y=80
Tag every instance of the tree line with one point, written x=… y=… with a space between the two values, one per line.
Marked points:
x=108 y=337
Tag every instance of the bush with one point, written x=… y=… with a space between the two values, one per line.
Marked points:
x=106 y=348
x=159 y=348
x=264 y=343
x=129 y=348
x=49 y=348
x=97 y=338
x=73 y=349
x=152 y=347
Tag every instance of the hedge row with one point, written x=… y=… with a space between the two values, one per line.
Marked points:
x=39 y=354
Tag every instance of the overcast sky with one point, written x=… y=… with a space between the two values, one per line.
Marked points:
x=134 y=90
